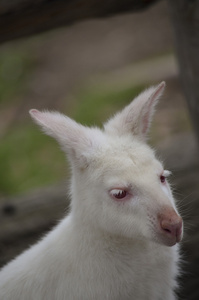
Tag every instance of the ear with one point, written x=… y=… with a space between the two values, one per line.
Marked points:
x=74 y=138
x=137 y=116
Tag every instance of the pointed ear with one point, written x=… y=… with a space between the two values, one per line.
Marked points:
x=137 y=116
x=73 y=137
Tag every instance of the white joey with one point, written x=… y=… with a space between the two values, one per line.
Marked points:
x=120 y=238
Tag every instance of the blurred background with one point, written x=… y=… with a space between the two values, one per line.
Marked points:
x=88 y=71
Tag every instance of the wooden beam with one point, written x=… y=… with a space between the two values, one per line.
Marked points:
x=21 y=18
x=22 y=215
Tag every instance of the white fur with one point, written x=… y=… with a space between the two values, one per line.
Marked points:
x=105 y=249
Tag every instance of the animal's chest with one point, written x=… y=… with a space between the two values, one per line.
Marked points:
x=140 y=278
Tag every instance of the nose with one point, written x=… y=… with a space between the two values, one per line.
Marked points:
x=171 y=226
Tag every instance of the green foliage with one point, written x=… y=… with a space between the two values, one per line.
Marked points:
x=14 y=69
x=93 y=106
x=28 y=159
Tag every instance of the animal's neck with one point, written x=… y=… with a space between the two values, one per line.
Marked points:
x=98 y=240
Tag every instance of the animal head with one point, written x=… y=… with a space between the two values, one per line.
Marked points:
x=118 y=185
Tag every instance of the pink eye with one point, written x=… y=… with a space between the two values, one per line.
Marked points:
x=162 y=178
x=118 y=193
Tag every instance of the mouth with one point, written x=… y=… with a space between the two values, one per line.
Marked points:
x=169 y=240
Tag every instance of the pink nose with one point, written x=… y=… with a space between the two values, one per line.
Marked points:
x=171 y=226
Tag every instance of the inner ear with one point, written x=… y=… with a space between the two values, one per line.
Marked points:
x=149 y=108
x=78 y=141
x=136 y=118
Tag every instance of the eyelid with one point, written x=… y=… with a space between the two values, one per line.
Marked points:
x=120 y=194
x=166 y=173
x=120 y=186
x=115 y=191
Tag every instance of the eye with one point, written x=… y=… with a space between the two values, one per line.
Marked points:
x=118 y=193
x=162 y=178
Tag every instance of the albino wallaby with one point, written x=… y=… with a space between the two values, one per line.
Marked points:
x=119 y=241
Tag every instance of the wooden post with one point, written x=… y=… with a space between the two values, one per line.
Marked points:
x=185 y=16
